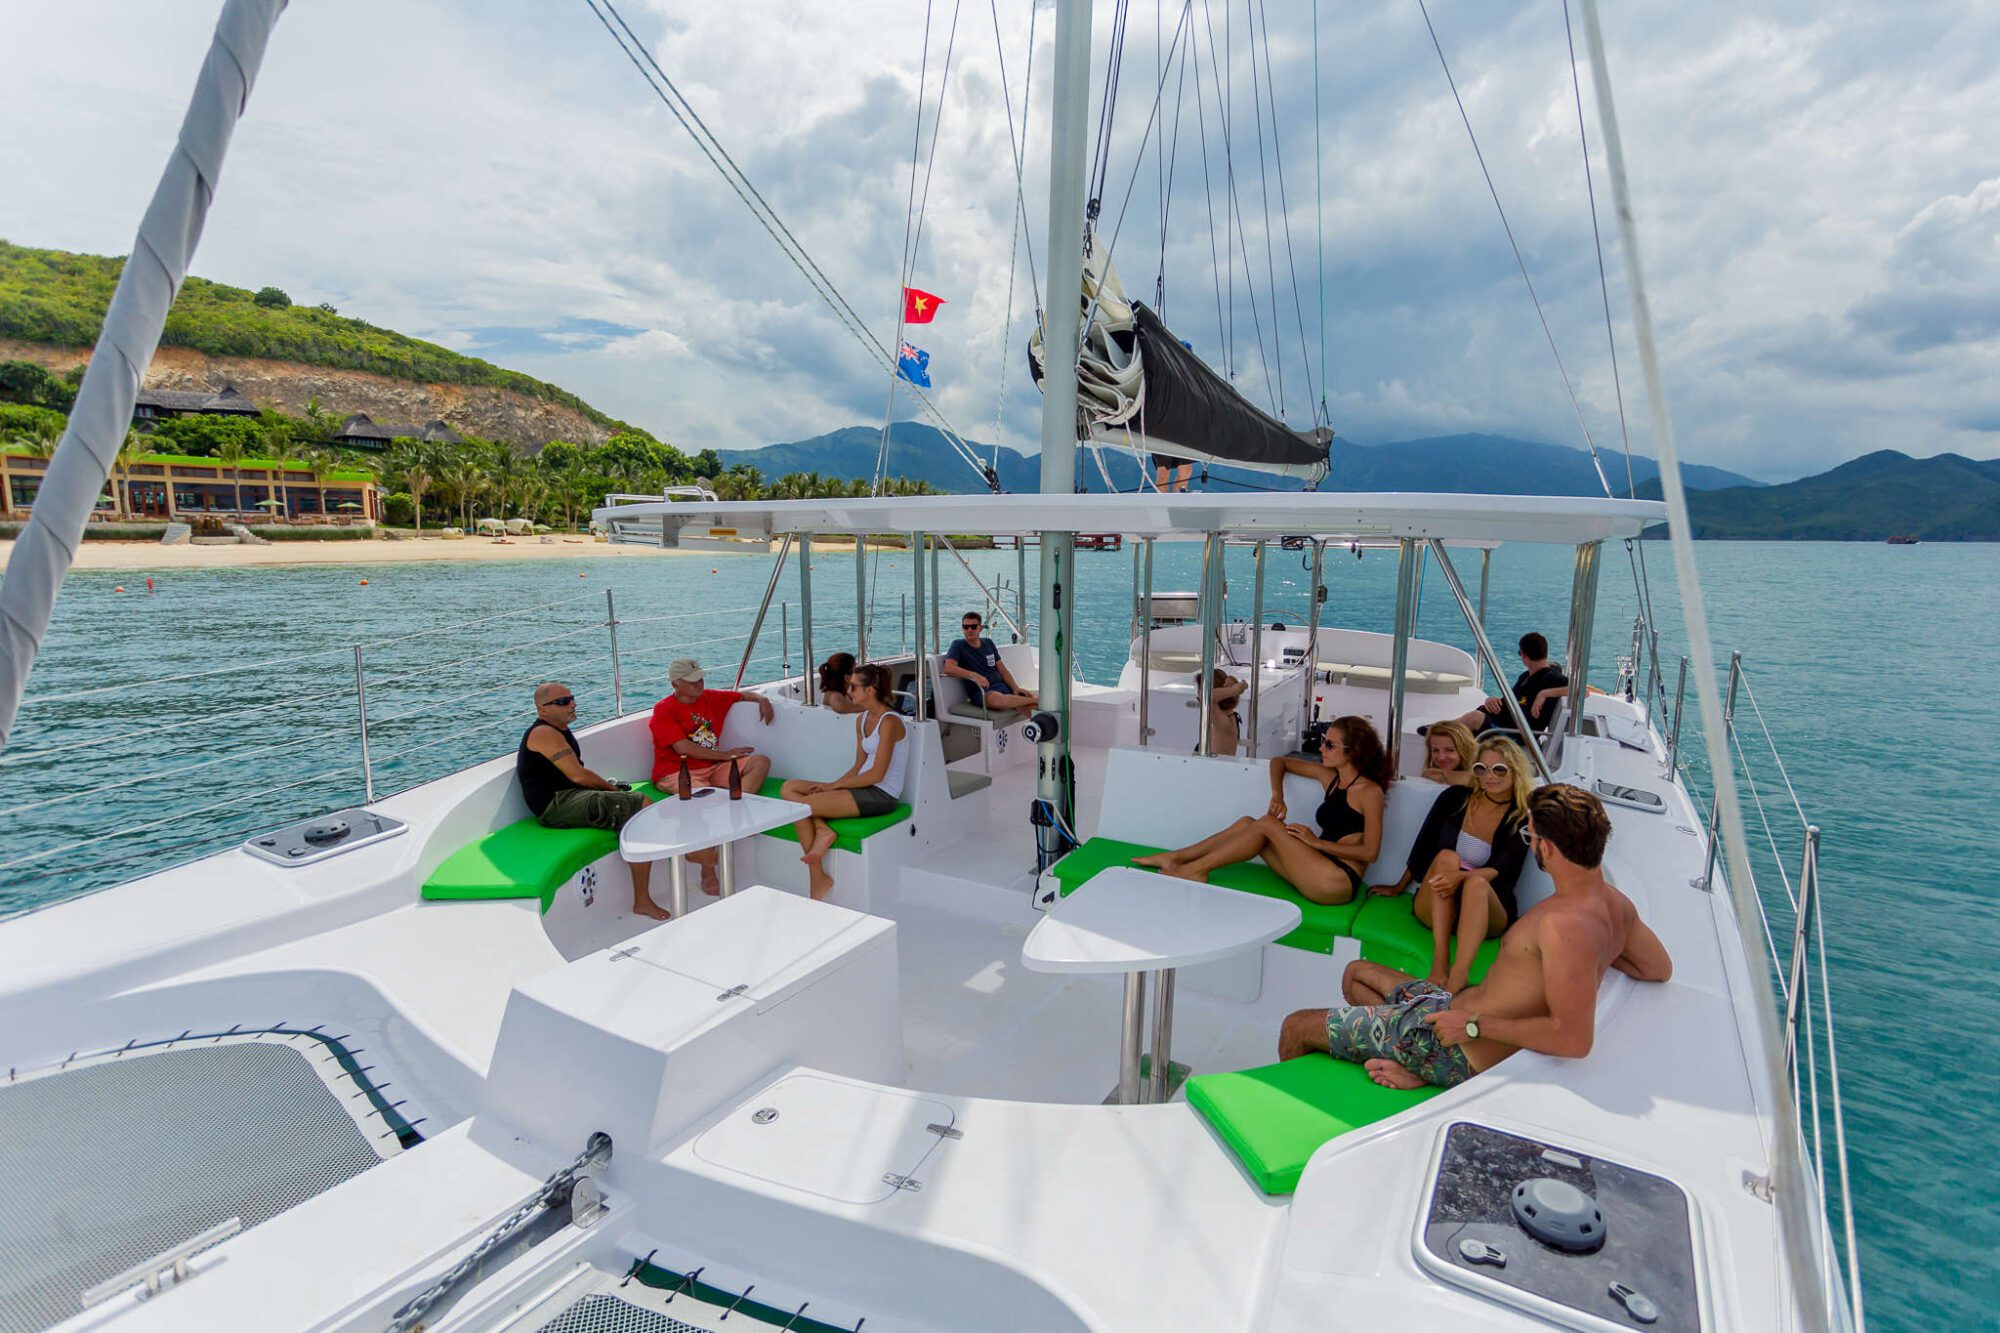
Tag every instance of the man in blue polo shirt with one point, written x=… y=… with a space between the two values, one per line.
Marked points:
x=976 y=661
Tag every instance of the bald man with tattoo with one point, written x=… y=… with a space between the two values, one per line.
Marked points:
x=563 y=793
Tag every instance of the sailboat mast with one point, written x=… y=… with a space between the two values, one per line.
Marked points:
x=1068 y=163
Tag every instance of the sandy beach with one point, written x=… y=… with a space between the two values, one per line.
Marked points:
x=153 y=555
x=146 y=555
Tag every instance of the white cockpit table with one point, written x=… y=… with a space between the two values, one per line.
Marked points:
x=669 y=829
x=1135 y=921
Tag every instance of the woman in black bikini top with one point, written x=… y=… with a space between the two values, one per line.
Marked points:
x=1324 y=865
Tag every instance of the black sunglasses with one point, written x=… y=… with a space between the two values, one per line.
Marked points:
x=563 y=702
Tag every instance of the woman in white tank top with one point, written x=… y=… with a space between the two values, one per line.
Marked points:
x=873 y=786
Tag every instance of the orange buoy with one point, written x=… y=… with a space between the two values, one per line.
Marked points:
x=711 y=569
x=119 y=588
x=364 y=583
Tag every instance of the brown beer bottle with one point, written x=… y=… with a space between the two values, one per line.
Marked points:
x=685 y=782
x=735 y=780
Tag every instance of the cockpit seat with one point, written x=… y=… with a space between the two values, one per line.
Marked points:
x=1275 y=1117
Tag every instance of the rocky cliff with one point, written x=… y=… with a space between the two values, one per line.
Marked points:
x=500 y=414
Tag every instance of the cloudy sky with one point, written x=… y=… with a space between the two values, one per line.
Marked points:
x=1822 y=224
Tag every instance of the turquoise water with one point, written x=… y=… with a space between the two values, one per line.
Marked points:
x=1864 y=660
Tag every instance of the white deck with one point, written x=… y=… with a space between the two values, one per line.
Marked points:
x=1101 y=1217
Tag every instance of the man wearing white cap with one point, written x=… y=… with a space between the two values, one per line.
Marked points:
x=687 y=725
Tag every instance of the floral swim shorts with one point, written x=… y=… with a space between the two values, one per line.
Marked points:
x=1395 y=1030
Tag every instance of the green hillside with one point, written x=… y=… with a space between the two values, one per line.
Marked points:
x=51 y=296
x=1946 y=497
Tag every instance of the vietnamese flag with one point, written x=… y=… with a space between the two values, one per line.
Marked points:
x=919 y=307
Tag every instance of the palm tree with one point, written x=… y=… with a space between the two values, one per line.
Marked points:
x=38 y=440
x=129 y=449
x=415 y=463
x=230 y=454
x=321 y=460
x=283 y=451
x=319 y=421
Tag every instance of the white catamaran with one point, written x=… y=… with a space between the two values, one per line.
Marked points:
x=417 y=1064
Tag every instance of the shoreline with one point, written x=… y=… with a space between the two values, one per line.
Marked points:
x=150 y=555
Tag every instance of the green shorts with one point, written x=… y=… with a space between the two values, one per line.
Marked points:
x=587 y=807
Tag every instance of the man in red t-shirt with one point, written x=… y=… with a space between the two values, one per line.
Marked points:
x=687 y=724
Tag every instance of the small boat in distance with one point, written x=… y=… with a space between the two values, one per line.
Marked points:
x=1902 y=539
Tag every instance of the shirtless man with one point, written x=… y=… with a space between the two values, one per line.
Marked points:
x=1541 y=993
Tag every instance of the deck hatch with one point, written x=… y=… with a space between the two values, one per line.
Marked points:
x=1638 y=1273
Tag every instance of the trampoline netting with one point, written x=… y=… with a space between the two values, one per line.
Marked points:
x=110 y=1160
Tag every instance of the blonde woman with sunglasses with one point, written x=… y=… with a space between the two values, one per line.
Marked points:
x=1467 y=858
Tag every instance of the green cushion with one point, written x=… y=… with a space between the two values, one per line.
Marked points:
x=1319 y=923
x=522 y=860
x=1390 y=934
x=848 y=834
x=1275 y=1118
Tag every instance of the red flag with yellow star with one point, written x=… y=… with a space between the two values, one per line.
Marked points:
x=919 y=307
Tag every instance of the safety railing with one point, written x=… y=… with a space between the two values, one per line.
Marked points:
x=335 y=725
x=1784 y=860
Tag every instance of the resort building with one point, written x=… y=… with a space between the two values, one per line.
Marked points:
x=160 y=404
x=360 y=431
x=177 y=486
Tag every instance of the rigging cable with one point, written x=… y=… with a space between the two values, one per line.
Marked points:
x=1319 y=223
x=1138 y=161
x=1788 y=1174
x=1264 y=194
x=923 y=211
x=1100 y=155
x=1521 y=262
x=1173 y=154
x=1635 y=554
x=1237 y=239
x=1208 y=197
x=1020 y=217
x=909 y=218
x=711 y=147
x=1284 y=204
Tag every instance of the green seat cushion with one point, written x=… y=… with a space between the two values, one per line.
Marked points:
x=1390 y=934
x=1276 y=1117
x=1319 y=923
x=848 y=834
x=522 y=860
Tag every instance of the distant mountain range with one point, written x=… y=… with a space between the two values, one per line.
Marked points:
x=1945 y=497
x=1476 y=464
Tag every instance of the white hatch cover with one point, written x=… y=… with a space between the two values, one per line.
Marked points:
x=849 y=1142
x=761 y=943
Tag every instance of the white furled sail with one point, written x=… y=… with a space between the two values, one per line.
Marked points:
x=146 y=290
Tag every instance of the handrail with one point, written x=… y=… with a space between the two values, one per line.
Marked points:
x=432 y=704
x=986 y=592
x=1798 y=970
x=1492 y=660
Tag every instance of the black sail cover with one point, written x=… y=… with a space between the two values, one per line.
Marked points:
x=1185 y=406
x=1138 y=385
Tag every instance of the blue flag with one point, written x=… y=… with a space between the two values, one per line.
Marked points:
x=914 y=366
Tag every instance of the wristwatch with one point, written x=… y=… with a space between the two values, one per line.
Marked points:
x=1472 y=1026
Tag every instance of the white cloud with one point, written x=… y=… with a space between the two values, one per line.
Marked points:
x=1816 y=204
